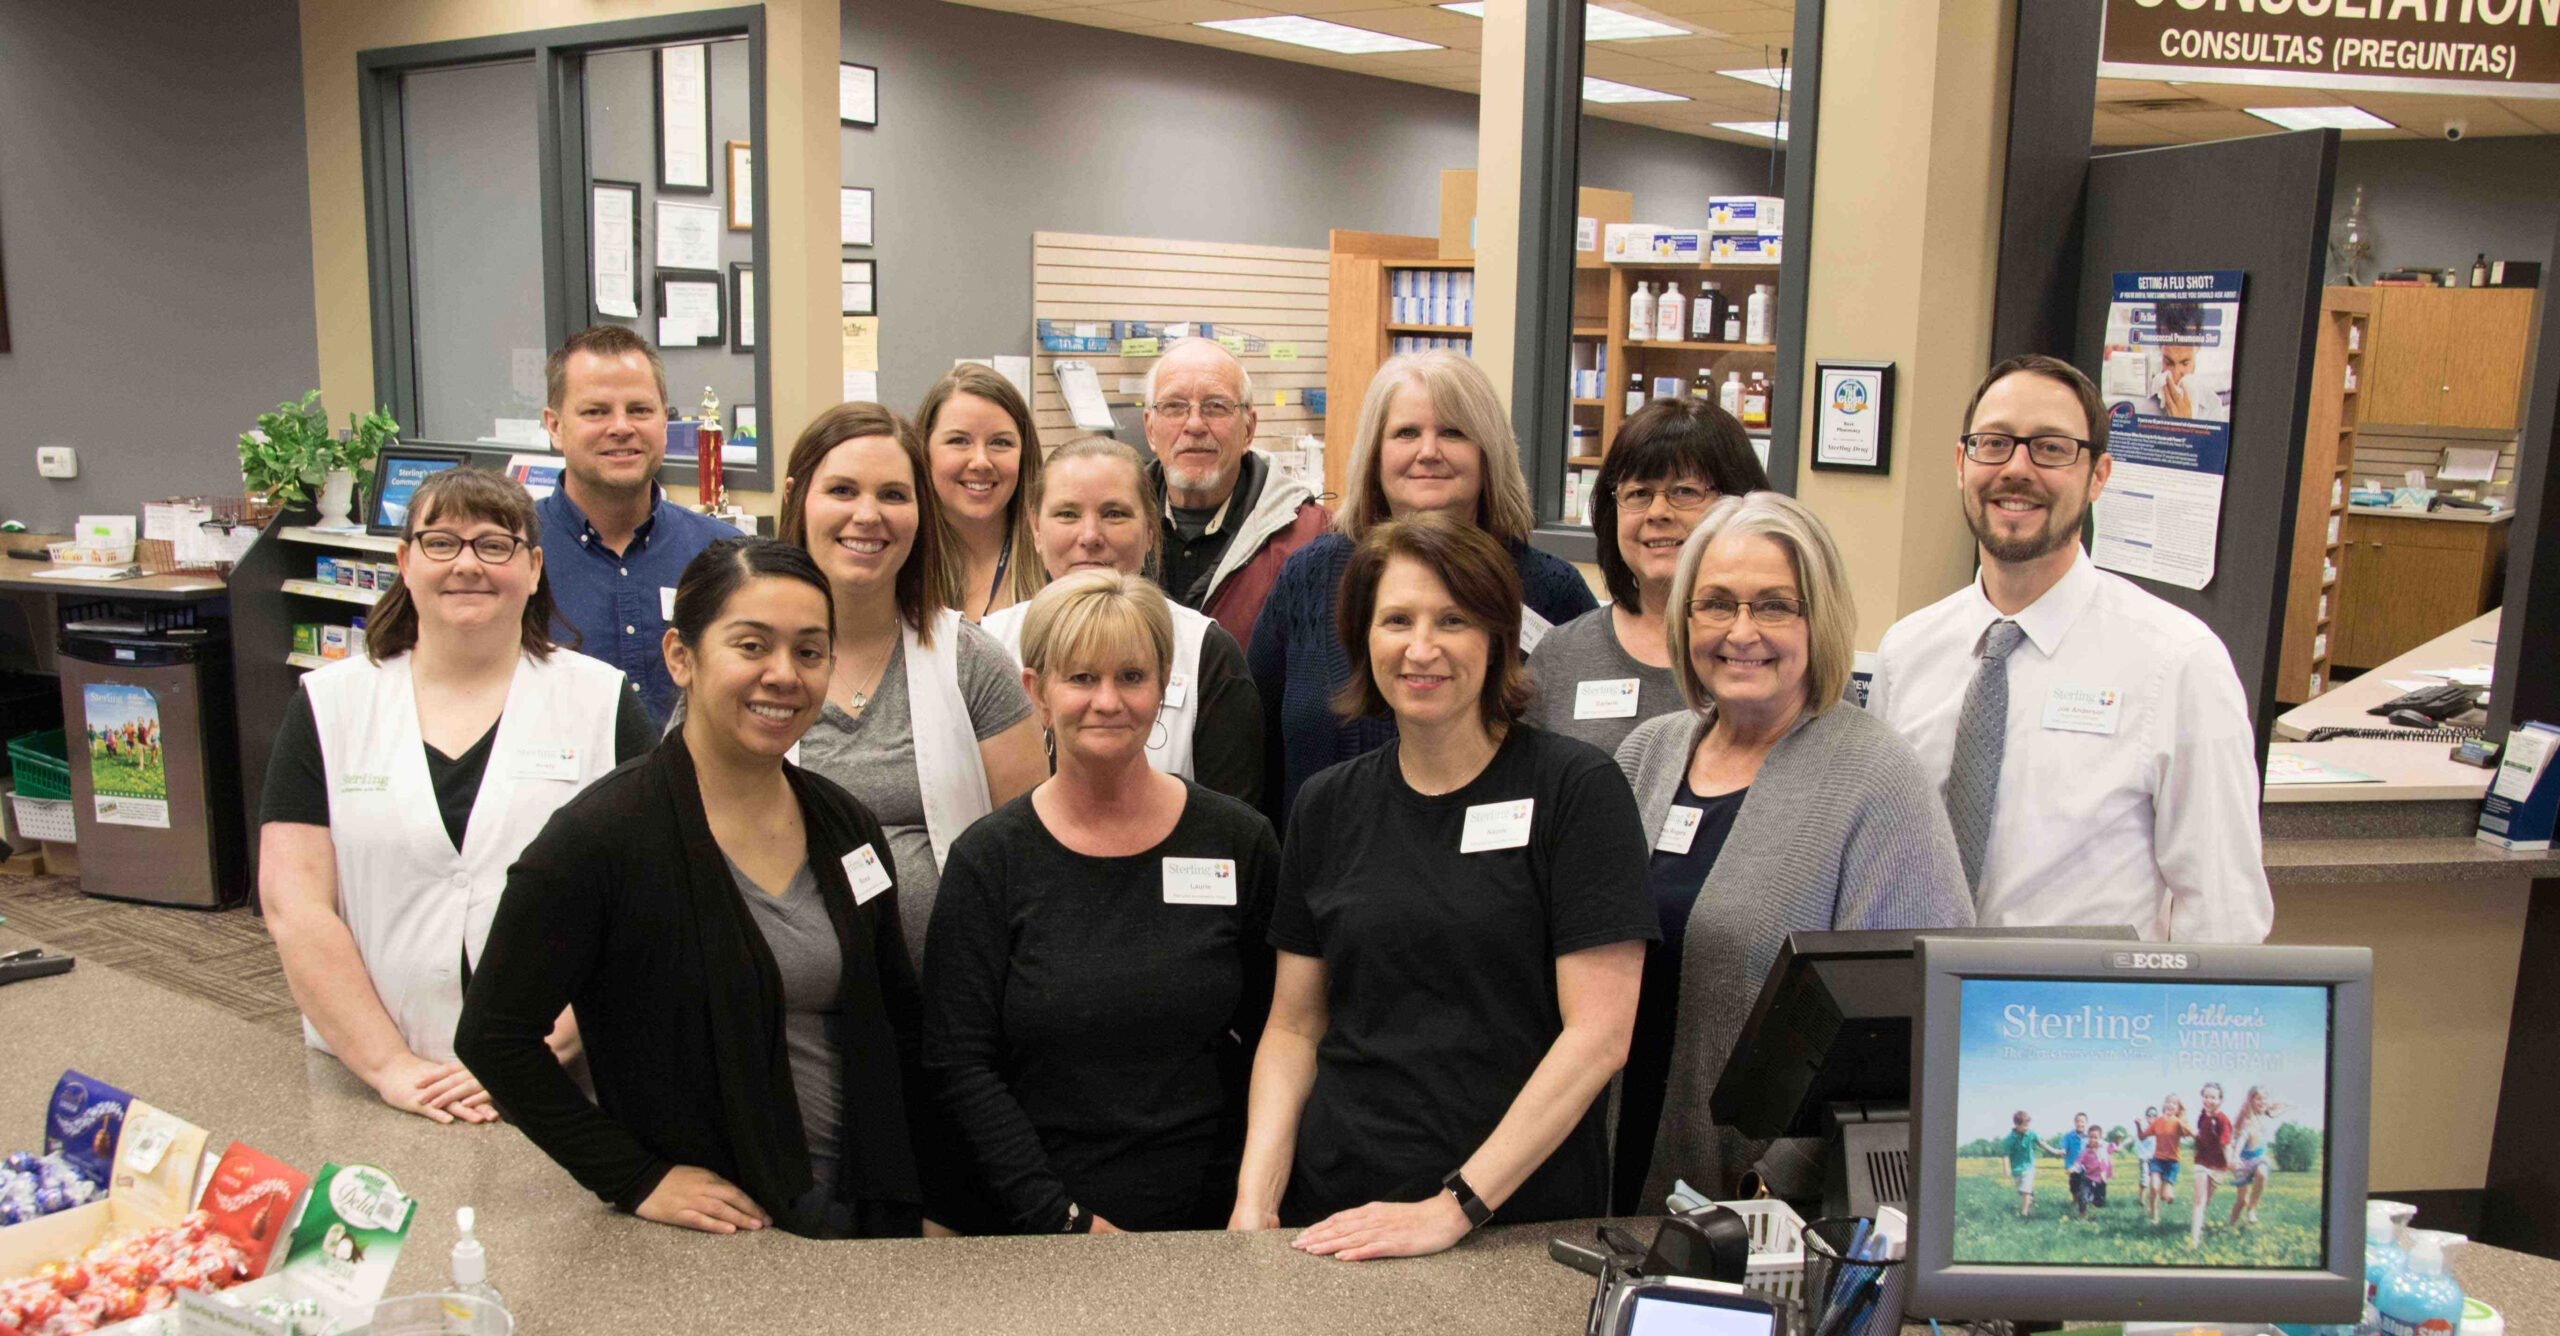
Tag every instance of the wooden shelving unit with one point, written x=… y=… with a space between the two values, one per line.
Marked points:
x=2312 y=600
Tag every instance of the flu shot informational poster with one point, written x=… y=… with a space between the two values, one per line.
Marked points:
x=2141 y=1124
x=127 y=772
x=2172 y=339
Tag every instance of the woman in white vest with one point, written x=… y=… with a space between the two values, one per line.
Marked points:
x=405 y=781
x=925 y=719
x=1093 y=510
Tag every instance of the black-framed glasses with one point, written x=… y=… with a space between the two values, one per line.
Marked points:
x=1214 y=410
x=2045 y=452
x=1683 y=496
x=1764 y=611
x=493 y=549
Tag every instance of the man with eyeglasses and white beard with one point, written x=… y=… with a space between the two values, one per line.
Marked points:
x=2093 y=741
x=1230 y=520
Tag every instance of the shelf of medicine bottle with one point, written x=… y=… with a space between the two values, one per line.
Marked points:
x=340 y=593
x=1694 y=347
x=1581 y=461
x=338 y=538
x=1430 y=329
x=1589 y=403
x=1591 y=331
x=307 y=661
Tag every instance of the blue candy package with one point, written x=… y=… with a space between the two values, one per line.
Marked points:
x=83 y=1122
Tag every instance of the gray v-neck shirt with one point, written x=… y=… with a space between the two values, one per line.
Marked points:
x=804 y=946
x=1586 y=649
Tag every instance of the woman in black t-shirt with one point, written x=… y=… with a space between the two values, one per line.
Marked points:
x=1095 y=974
x=1460 y=921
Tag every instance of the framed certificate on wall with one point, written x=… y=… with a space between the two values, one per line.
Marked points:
x=1853 y=416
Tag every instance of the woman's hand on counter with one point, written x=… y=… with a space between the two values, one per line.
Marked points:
x=694 y=1198
x=1248 y=1217
x=444 y=1091
x=1387 y=1229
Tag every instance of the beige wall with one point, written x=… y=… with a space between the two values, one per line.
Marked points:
x=1905 y=247
x=1501 y=107
x=798 y=160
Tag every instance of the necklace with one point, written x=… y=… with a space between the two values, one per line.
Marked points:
x=860 y=700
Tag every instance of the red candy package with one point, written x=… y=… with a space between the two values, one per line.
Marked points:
x=250 y=1200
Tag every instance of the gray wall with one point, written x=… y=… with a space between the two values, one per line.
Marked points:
x=995 y=125
x=155 y=223
x=2440 y=204
x=475 y=245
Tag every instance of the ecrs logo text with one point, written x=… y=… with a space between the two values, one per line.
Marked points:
x=2149 y=960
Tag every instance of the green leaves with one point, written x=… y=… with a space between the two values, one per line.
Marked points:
x=290 y=453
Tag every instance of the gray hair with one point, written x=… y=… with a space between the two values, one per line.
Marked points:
x=1822 y=579
x=1244 y=378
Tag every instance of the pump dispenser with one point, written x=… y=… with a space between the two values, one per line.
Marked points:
x=2423 y=1299
x=2382 y=1258
x=471 y=1261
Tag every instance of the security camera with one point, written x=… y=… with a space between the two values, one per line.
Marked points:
x=2454 y=130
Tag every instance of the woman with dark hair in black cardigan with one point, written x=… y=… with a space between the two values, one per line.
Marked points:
x=726 y=926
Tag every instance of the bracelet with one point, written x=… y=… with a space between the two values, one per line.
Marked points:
x=1077 y=1221
x=1468 y=1202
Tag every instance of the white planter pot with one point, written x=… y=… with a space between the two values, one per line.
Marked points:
x=338 y=497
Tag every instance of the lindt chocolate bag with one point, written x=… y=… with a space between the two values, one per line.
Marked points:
x=250 y=1198
x=83 y=1122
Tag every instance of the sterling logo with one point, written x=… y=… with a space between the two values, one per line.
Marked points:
x=2148 y=960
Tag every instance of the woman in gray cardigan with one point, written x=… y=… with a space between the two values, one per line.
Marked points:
x=1772 y=808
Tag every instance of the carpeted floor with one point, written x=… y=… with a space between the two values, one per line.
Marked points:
x=223 y=957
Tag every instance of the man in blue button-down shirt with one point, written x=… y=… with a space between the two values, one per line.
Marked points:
x=612 y=544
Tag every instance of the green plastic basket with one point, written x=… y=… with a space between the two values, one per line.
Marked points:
x=42 y=764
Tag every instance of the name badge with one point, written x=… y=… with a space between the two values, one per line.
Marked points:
x=2083 y=709
x=1497 y=826
x=541 y=762
x=666 y=603
x=1679 y=829
x=862 y=867
x=1606 y=698
x=1200 y=881
x=360 y=783
x=1177 y=691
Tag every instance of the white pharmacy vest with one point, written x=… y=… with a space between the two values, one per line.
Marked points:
x=1169 y=747
x=950 y=774
x=415 y=905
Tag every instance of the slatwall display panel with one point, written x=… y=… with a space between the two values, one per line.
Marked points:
x=2388 y=459
x=1270 y=294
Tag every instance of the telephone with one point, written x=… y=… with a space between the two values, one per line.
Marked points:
x=2431 y=705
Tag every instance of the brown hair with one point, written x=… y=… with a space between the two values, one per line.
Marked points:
x=1481 y=579
x=2092 y=406
x=391 y=629
x=1024 y=566
x=1118 y=451
x=1666 y=441
x=606 y=341
x=924 y=583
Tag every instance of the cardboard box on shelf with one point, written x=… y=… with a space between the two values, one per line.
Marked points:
x=1743 y=250
x=1748 y=215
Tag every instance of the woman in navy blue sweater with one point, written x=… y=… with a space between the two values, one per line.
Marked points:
x=1433 y=437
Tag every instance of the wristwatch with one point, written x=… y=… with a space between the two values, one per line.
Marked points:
x=1477 y=1212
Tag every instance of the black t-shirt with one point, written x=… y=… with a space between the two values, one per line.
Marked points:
x=297 y=787
x=1440 y=966
x=1091 y=1040
x=1675 y=880
x=1189 y=559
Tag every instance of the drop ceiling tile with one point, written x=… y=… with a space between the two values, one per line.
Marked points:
x=1626 y=68
x=2542 y=114
x=1423 y=21
x=1187 y=11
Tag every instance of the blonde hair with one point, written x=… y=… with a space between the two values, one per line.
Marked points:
x=1461 y=397
x=1822 y=581
x=1079 y=617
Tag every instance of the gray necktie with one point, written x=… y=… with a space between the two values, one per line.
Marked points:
x=1973 y=781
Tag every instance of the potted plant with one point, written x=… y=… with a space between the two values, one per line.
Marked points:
x=290 y=457
x=351 y=471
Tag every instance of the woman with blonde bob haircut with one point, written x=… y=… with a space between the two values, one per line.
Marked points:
x=1097 y=976
x=1433 y=439
x=1769 y=806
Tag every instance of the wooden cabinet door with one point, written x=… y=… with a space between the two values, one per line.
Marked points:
x=2485 y=356
x=2405 y=373
x=2352 y=616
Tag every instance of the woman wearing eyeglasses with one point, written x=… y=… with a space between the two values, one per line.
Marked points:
x=1771 y=807
x=405 y=781
x=1606 y=671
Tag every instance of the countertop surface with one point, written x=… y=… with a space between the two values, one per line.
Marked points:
x=2438 y=516
x=22 y=576
x=568 y=1265
x=2405 y=771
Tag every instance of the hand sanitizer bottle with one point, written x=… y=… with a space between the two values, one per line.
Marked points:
x=471 y=1262
x=2423 y=1300
x=2382 y=1260
x=1640 y=314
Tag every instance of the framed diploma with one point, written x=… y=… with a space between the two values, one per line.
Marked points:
x=853 y=215
x=684 y=118
x=857 y=95
x=742 y=195
x=861 y=284
x=689 y=310
x=688 y=236
x=1853 y=416
x=742 y=307
x=613 y=244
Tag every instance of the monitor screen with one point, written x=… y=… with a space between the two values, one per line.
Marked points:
x=1670 y=1317
x=2136 y=1123
x=396 y=477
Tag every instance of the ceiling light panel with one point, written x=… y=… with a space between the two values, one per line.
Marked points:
x=1598 y=25
x=1609 y=90
x=1299 y=30
x=1765 y=129
x=1764 y=78
x=2321 y=118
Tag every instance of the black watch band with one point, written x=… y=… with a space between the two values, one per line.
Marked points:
x=1079 y=1221
x=1477 y=1212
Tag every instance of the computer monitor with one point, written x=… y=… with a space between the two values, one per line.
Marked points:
x=1826 y=1052
x=396 y=474
x=2258 y=1061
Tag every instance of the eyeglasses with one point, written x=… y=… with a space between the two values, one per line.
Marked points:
x=2045 y=452
x=1764 y=611
x=493 y=549
x=1215 y=410
x=1684 y=496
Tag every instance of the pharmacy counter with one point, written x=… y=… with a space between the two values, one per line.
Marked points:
x=567 y=1265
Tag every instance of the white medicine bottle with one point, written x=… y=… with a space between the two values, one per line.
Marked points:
x=1758 y=328
x=1669 y=310
x=1640 y=314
